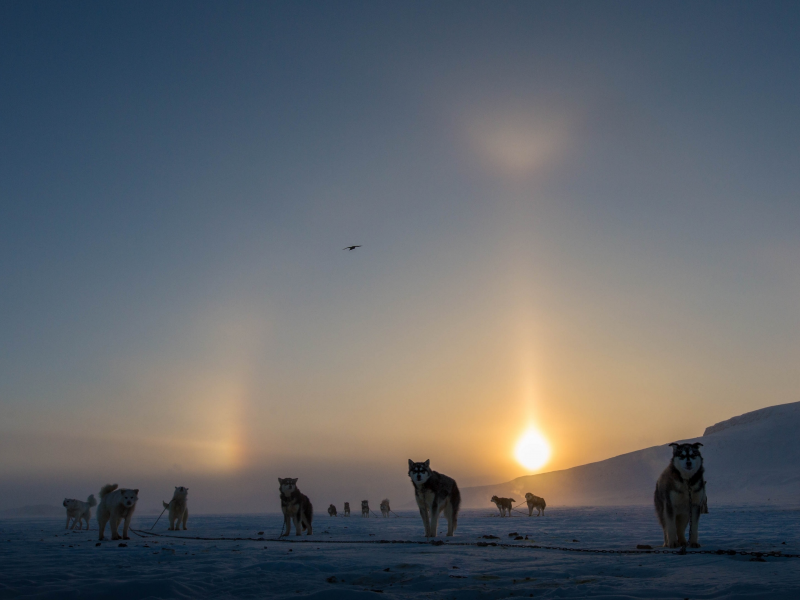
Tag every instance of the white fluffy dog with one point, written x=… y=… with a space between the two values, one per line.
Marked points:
x=79 y=511
x=178 y=510
x=115 y=505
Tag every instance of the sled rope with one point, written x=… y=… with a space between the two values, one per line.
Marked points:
x=681 y=551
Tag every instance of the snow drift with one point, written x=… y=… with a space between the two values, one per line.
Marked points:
x=750 y=459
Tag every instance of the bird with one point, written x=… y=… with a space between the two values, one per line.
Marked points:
x=351 y=247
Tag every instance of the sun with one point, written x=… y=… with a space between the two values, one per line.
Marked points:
x=532 y=450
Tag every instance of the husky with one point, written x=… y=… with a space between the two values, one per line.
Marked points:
x=331 y=511
x=365 y=508
x=178 y=509
x=680 y=495
x=503 y=505
x=79 y=511
x=385 y=509
x=295 y=506
x=535 y=503
x=115 y=505
x=435 y=493
x=346 y=509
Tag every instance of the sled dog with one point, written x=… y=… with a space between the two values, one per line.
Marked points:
x=295 y=506
x=535 y=503
x=385 y=509
x=178 y=509
x=680 y=495
x=503 y=505
x=435 y=493
x=79 y=511
x=116 y=505
x=346 y=509
x=365 y=508
x=331 y=511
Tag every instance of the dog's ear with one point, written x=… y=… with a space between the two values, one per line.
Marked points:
x=428 y=463
x=674 y=444
x=295 y=480
x=136 y=491
x=696 y=445
x=410 y=464
x=280 y=481
x=176 y=487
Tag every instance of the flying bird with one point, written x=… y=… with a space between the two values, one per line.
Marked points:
x=352 y=247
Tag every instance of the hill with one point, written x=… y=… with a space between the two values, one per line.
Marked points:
x=753 y=458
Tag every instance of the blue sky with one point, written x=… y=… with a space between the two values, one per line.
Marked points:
x=580 y=217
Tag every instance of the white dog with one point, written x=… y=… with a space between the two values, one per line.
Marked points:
x=114 y=506
x=178 y=510
x=79 y=511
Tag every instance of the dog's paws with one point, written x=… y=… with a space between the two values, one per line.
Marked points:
x=694 y=545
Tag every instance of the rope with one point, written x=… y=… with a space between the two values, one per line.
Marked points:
x=159 y=518
x=682 y=551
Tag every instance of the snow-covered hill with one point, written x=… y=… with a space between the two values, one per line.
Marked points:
x=750 y=459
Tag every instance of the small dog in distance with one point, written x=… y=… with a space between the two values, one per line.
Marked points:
x=535 y=503
x=365 y=508
x=79 y=511
x=385 y=509
x=503 y=505
x=346 y=509
x=331 y=511
x=178 y=508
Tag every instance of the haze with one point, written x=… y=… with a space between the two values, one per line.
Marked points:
x=580 y=218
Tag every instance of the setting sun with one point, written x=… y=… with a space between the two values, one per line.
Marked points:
x=532 y=450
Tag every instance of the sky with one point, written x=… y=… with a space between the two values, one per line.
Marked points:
x=576 y=218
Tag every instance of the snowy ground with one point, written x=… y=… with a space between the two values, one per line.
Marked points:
x=38 y=559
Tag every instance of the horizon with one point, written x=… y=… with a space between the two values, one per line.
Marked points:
x=578 y=229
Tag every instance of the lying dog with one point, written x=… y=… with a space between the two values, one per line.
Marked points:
x=295 y=506
x=178 y=509
x=365 y=508
x=79 y=511
x=680 y=496
x=503 y=505
x=535 y=503
x=331 y=511
x=115 y=505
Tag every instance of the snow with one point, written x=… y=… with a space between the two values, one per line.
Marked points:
x=38 y=559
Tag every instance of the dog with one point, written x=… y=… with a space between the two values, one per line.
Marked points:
x=295 y=506
x=503 y=505
x=115 y=505
x=680 y=496
x=535 y=503
x=331 y=511
x=365 y=508
x=346 y=509
x=385 y=509
x=79 y=511
x=435 y=494
x=178 y=510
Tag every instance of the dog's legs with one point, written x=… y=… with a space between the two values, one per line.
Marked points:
x=185 y=518
x=287 y=523
x=298 y=526
x=127 y=525
x=423 y=511
x=67 y=525
x=694 y=522
x=451 y=521
x=435 y=510
x=308 y=525
x=114 y=526
x=681 y=521
x=102 y=519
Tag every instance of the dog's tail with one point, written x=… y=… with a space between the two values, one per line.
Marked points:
x=512 y=500
x=166 y=504
x=107 y=489
x=91 y=501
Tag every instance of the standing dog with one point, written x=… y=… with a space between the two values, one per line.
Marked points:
x=295 y=506
x=116 y=505
x=503 y=505
x=346 y=509
x=535 y=502
x=680 y=495
x=178 y=509
x=79 y=511
x=331 y=511
x=365 y=508
x=385 y=509
x=435 y=493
